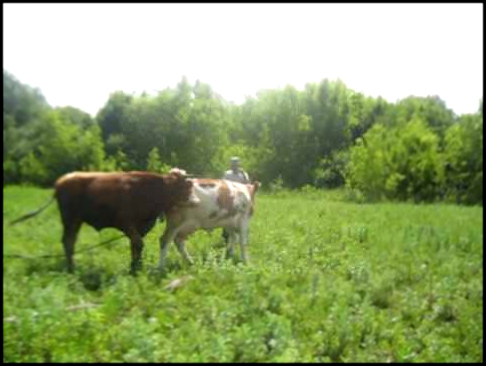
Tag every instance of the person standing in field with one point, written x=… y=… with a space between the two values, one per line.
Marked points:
x=235 y=174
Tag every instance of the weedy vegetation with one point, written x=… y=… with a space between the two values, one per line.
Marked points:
x=329 y=281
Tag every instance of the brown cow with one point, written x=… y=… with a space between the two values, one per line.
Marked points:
x=128 y=201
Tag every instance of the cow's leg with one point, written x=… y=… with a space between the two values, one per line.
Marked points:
x=69 y=236
x=244 y=239
x=181 y=246
x=165 y=240
x=230 y=250
x=136 y=244
x=225 y=236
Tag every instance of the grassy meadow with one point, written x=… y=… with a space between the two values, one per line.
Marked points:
x=328 y=281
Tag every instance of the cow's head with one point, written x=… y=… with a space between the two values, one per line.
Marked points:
x=252 y=188
x=182 y=185
x=181 y=173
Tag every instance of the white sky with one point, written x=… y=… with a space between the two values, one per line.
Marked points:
x=77 y=54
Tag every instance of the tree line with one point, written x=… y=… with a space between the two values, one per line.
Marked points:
x=325 y=136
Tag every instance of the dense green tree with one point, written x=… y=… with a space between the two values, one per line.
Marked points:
x=111 y=116
x=326 y=135
x=76 y=116
x=41 y=143
x=402 y=162
x=21 y=103
x=464 y=159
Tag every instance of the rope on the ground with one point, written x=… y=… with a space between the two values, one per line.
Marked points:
x=20 y=256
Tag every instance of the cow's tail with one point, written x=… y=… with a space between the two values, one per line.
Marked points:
x=33 y=213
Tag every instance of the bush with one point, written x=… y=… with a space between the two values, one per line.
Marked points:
x=398 y=163
x=276 y=186
x=154 y=163
x=331 y=170
x=60 y=147
x=32 y=170
x=10 y=172
x=464 y=158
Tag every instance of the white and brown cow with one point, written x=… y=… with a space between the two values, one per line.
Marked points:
x=214 y=203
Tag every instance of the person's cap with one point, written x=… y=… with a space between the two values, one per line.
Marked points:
x=235 y=159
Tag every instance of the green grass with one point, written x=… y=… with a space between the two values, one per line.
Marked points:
x=329 y=281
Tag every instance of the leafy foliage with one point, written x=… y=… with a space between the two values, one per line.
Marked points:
x=464 y=159
x=328 y=281
x=154 y=164
x=326 y=136
x=399 y=162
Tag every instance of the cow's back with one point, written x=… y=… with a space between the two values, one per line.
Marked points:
x=111 y=199
x=220 y=203
x=88 y=197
